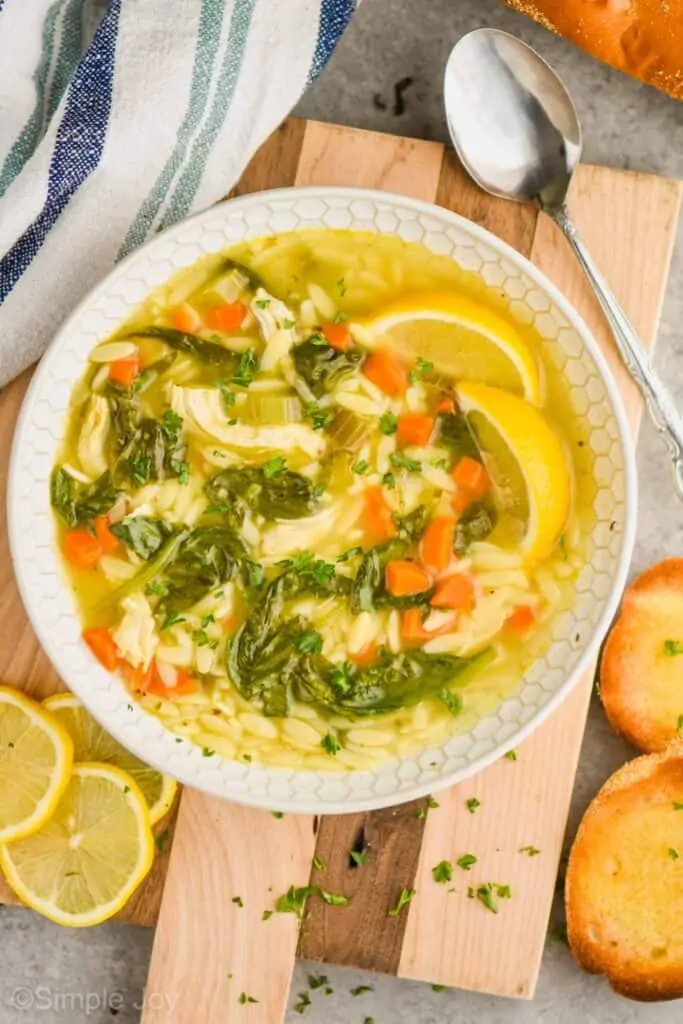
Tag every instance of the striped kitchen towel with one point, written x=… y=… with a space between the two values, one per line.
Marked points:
x=105 y=142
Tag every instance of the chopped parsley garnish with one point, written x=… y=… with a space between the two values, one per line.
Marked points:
x=201 y=639
x=680 y=722
x=431 y=802
x=172 y=619
x=126 y=789
x=388 y=423
x=485 y=895
x=511 y=755
x=304 y=1002
x=340 y=676
x=262 y=303
x=351 y=553
x=443 y=871
x=161 y=840
x=389 y=480
x=320 y=417
x=405 y=896
x=247 y=758
x=358 y=857
x=421 y=814
x=361 y=467
x=288 y=324
x=340 y=318
x=361 y=990
x=472 y=804
x=277 y=814
x=207 y=752
x=317 y=981
x=318 y=490
x=238 y=900
x=319 y=864
x=467 y=861
x=674 y=854
x=246 y=369
x=341 y=285
x=244 y=999
x=267 y=914
x=530 y=851
x=330 y=744
x=206 y=620
x=274 y=467
x=453 y=701
x=156 y=588
x=439 y=988
x=334 y=899
x=678 y=806
x=402 y=461
x=673 y=647
x=228 y=397
x=294 y=900
x=309 y=643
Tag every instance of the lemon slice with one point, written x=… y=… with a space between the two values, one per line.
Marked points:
x=36 y=755
x=464 y=339
x=92 y=743
x=85 y=863
x=529 y=464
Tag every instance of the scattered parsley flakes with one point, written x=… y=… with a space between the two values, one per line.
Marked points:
x=294 y=900
x=262 y=303
x=530 y=851
x=439 y=988
x=228 y=397
x=511 y=755
x=443 y=872
x=333 y=899
x=361 y=467
x=156 y=588
x=288 y=324
x=420 y=814
x=267 y=914
x=304 y=1002
x=431 y=802
x=504 y=892
x=388 y=423
x=277 y=814
x=318 y=490
x=678 y=806
x=161 y=840
x=244 y=999
x=453 y=701
x=467 y=861
x=680 y=723
x=238 y=900
x=330 y=744
x=172 y=619
x=485 y=895
x=402 y=461
x=319 y=864
x=340 y=317
x=274 y=467
x=341 y=285
x=310 y=642
x=126 y=789
x=674 y=854
x=405 y=896
x=317 y=981
x=320 y=417
x=207 y=752
x=361 y=990
x=673 y=647
x=369 y=1020
x=246 y=369
x=351 y=553
x=472 y=804
x=358 y=857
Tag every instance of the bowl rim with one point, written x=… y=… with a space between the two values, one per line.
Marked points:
x=304 y=803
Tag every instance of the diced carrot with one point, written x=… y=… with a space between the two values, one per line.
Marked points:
x=387 y=372
x=101 y=643
x=124 y=371
x=81 y=548
x=445 y=405
x=107 y=540
x=365 y=656
x=404 y=579
x=186 y=318
x=377 y=519
x=437 y=543
x=413 y=628
x=522 y=618
x=456 y=592
x=414 y=428
x=338 y=336
x=227 y=318
x=471 y=476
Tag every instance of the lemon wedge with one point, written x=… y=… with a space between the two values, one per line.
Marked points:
x=84 y=864
x=528 y=462
x=92 y=743
x=465 y=340
x=36 y=755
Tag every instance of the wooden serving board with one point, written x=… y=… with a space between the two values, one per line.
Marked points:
x=207 y=948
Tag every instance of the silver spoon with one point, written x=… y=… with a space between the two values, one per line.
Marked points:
x=518 y=135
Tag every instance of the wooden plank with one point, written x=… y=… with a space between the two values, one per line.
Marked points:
x=449 y=938
x=208 y=949
x=365 y=936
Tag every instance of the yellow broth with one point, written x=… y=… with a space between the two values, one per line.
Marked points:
x=183 y=626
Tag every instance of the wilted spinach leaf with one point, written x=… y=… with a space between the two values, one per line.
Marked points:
x=63 y=495
x=283 y=495
x=475 y=523
x=322 y=366
x=82 y=505
x=205 y=351
x=142 y=534
x=208 y=556
x=456 y=434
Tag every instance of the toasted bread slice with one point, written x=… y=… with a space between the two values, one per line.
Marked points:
x=624 y=889
x=641 y=673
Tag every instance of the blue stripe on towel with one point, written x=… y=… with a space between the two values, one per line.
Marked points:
x=78 y=145
x=334 y=17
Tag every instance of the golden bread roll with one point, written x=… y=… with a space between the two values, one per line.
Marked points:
x=624 y=888
x=641 y=37
x=641 y=671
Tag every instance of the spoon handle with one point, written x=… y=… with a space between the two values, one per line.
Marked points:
x=659 y=403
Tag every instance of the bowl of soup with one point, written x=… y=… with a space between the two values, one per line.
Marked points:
x=322 y=500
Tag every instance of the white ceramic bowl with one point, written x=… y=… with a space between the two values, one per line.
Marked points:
x=594 y=397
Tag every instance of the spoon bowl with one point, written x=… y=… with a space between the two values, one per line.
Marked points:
x=518 y=135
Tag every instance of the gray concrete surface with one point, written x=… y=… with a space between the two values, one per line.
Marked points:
x=47 y=975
